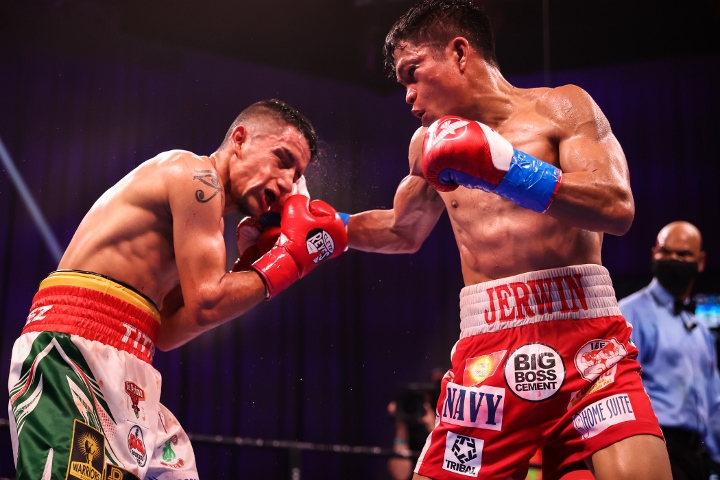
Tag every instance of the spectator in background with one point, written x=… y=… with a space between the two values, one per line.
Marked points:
x=413 y=411
x=677 y=353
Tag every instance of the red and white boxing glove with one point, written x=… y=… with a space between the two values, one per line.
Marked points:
x=311 y=232
x=460 y=152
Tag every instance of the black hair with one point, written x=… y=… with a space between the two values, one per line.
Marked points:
x=282 y=112
x=438 y=22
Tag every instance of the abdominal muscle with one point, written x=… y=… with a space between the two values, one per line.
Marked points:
x=498 y=239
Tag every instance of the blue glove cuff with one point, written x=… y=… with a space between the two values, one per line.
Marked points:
x=529 y=182
x=344 y=217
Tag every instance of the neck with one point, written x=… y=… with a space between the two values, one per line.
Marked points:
x=493 y=97
x=220 y=162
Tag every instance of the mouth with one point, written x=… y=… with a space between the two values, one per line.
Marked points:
x=270 y=199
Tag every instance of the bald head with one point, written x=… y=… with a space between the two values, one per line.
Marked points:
x=678 y=258
x=681 y=238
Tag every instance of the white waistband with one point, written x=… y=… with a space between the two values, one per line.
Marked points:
x=575 y=292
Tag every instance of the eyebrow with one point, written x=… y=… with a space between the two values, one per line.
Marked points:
x=295 y=163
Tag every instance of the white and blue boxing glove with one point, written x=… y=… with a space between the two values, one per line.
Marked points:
x=460 y=152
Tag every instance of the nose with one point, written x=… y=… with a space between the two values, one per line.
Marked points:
x=410 y=96
x=286 y=181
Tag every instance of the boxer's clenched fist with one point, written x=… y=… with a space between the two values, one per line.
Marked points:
x=460 y=152
x=311 y=232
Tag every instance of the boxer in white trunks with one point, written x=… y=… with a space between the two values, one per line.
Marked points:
x=531 y=180
x=146 y=268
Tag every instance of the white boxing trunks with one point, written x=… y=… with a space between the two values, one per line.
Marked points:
x=84 y=397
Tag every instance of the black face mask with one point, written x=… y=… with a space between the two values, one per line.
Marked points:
x=675 y=275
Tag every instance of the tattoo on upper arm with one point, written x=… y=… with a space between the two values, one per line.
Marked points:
x=210 y=179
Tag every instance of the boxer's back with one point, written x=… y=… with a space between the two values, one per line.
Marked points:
x=128 y=233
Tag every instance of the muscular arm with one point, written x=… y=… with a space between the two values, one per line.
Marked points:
x=208 y=296
x=595 y=190
x=416 y=209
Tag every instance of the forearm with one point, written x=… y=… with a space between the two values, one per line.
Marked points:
x=376 y=231
x=593 y=203
x=208 y=307
x=402 y=229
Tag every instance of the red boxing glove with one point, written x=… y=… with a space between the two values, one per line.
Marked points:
x=311 y=232
x=255 y=238
x=460 y=152
x=454 y=147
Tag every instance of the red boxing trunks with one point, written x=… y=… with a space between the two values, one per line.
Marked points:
x=544 y=360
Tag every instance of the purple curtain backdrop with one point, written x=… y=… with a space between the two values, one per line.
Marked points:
x=319 y=363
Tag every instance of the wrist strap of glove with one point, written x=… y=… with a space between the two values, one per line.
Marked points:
x=277 y=269
x=529 y=182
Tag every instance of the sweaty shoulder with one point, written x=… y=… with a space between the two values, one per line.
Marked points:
x=571 y=109
x=415 y=151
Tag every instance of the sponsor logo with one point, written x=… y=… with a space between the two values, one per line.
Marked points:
x=38 y=313
x=477 y=369
x=87 y=453
x=113 y=472
x=177 y=465
x=535 y=372
x=478 y=407
x=596 y=356
x=463 y=455
x=524 y=300
x=595 y=418
x=448 y=129
x=136 y=445
x=318 y=240
x=605 y=379
x=169 y=455
x=139 y=339
x=136 y=395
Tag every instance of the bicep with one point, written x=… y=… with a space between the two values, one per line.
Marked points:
x=417 y=206
x=196 y=206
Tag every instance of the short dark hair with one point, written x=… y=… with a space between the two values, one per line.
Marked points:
x=282 y=112
x=438 y=22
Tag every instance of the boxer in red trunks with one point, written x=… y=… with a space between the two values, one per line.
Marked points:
x=531 y=180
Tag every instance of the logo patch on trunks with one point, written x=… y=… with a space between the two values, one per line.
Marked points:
x=463 y=455
x=113 y=472
x=136 y=445
x=477 y=407
x=87 y=453
x=597 y=417
x=535 y=372
x=597 y=356
x=136 y=395
x=319 y=240
x=479 y=368
x=603 y=381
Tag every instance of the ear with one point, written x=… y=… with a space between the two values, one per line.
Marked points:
x=701 y=262
x=460 y=48
x=239 y=135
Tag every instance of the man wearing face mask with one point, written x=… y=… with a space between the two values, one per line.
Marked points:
x=677 y=353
